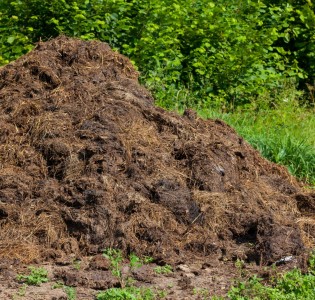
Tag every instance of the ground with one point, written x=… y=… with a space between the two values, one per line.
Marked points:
x=92 y=275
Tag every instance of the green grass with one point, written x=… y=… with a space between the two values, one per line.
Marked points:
x=291 y=285
x=275 y=124
x=282 y=135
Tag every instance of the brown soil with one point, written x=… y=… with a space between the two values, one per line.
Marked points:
x=88 y=162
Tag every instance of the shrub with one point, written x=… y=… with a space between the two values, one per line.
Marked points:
x=223 y=54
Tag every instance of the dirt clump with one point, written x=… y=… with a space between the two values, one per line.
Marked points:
x=88 y=162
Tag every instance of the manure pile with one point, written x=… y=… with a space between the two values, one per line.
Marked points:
x=88 y=162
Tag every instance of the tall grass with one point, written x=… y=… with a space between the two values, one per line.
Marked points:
x=283 y=133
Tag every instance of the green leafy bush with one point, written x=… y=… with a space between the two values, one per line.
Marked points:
x=250 y=54
x=225 y=55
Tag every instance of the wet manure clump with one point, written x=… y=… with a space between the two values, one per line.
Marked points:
x=88 y=162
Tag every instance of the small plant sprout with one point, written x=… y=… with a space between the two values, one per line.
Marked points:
x=36 y=277
x=70 y=291
x=115 y=258
x=20 y=293
x=204 y=293
x=167 y=269
x=148 y=259
x=135 y=261
x=77 y=264
x=127 y=293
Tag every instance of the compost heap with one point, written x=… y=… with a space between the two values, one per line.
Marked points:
x=88 y=162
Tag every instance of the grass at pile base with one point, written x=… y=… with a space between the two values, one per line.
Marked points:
x=285 y=135
x=291 y=285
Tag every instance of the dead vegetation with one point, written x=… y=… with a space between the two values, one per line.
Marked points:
x=88 y=162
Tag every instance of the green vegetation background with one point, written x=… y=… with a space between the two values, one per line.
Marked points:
x=249 y=62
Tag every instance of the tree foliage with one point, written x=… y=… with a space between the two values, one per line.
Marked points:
x=223 y=51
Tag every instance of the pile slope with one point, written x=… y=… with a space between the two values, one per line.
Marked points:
x=88 y=162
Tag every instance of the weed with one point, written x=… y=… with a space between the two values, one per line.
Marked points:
x=77 y=264
x=161 y=294
x=204 y=293
x=127 y=293
x=115 y=258
x=147 y=259
x=135 y=261
x=70 y=291
x=240 y=266
x=36 y=277
x=312 y=263
x=129 y=281
x=292 y=285
x=163 y=269
x=58 y=285
x=21 y=292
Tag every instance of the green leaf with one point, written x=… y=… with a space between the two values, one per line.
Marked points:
x=10 y=39
x=80 y=17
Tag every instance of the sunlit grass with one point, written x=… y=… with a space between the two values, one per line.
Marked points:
x=285 y=135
